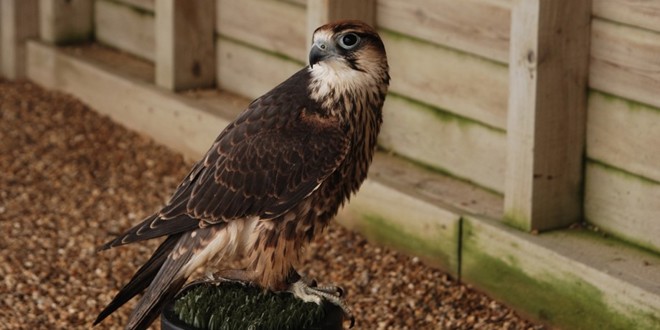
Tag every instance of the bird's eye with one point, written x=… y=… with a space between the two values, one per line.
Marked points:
x=349 y=41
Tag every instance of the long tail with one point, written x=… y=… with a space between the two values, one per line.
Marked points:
x=165 y=273
x=141 y=279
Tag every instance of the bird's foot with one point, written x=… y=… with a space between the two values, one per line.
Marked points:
x=308 y=290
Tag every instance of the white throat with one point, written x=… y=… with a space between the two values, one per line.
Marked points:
x=332 y=80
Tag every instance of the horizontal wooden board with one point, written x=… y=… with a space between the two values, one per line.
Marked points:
x=623 y=204
x=277 y=26
x=119 y=62
x=624 y=134
x=463 y=84
x=601 y=283
x=640 y=13
x=399 y=220
x=300 y=3
x=625 y=61
x=170 y=119
x=147 y=5
x=475 y=26
x=250 y=72
x=449 y=193
x=125 y=28
x=465 y=149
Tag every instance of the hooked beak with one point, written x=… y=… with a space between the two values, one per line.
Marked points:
x=320 y=51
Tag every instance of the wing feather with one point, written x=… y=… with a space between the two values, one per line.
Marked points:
x=276 y=153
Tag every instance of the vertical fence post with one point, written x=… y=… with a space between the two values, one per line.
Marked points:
x=66 y=21
x=320 y=12
x=18 y=22
x=547 y=113
x=185 y=44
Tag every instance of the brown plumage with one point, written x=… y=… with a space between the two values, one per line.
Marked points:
x=273 y=178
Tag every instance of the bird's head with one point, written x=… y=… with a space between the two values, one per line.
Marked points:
x=347 y=56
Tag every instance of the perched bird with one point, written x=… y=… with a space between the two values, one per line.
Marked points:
x=273 y=178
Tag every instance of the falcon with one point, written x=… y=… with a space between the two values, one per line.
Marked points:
x=272 y=180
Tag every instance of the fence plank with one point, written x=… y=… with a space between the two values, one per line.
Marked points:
x=185 y=44
x=623 y=205
x=601 y=283
x=66 y=21
x=383 y=214
x=459 y=83
x=125 y=28
x=248 y=71
x=18 y=22
x=474 y=26
x=547 y=113
x=640 y=13
x=147 y=5
x=625 y=62
x=274 y=25
x=624 y=134
x=464 y=149
x=171 y=119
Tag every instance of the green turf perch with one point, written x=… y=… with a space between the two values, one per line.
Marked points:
x=233 y=305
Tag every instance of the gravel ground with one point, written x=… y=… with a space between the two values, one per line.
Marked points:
x=71 y=179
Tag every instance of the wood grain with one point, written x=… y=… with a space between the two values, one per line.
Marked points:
x=474 y=26
x=185 y=44
x=465 y=149
x=639 y=13
x=459 y=83
x=273 y=25
x=623 y=205
x=624 y=134
x=250 y=72
x=124 y=28
x=173 y=120
x=547 y=113
x=625 y=62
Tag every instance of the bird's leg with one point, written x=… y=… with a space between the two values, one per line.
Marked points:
x=307 y=290
x=231 y=275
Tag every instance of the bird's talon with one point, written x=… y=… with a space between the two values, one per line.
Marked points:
x=340 y=292
x=330 y=294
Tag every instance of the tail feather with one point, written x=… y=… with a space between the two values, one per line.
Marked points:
x=142 y=278
x=150 y=313
x=191 y=250
x=165 y=273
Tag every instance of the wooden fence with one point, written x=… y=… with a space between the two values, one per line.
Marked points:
x=527 y=114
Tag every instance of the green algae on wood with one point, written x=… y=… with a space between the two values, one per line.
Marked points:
x=632 y=105
x=443 y=114
x=389 y=233
x=553 y=294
